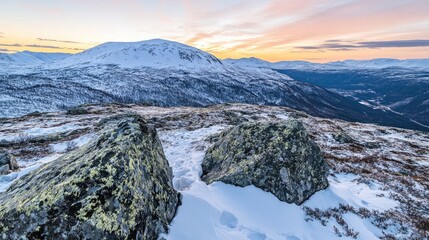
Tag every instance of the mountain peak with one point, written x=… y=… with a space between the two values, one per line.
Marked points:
x=155 y=53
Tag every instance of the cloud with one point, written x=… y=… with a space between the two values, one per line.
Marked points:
x=4 y=50
x=38 y=46
x=11 y=45
x=1 y=35
x=55 y=40
x=328 y=46
x=284 y=26
x=396 y=44
x=42 y=46
x=338 y=45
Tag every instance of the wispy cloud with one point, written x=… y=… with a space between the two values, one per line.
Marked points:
x=10 y=45
x=340 y=45
x=271 y=29
x=38 y=46
x=4 y=50
x=60 y=41
x=395 y=44
x=1 y=35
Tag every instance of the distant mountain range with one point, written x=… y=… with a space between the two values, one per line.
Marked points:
x=28 y=58
x=165 y=73
x=378 y=63
x=174 y=54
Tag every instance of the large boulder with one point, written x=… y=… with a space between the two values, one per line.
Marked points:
x=118 y=186
x=278 y=157
x=7 y=162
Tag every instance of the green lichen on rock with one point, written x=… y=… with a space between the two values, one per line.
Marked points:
x=278 y=157
x=119 y=186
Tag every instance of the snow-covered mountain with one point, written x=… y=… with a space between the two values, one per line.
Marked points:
x=166 y=73
x=253 y=62
x=295 y=65
x=27 y=58
x=248 y=62
x=156 y=53
x=378 y=63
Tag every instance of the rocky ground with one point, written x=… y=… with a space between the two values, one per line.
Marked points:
x=378 y=175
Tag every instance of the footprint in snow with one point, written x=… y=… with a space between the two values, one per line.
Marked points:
x=228 y=220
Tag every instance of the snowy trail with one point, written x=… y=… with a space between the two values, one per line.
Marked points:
x=222 y=211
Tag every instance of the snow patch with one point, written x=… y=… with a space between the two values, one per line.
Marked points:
x=223 y=211
x=62 y=147
x=26 y=167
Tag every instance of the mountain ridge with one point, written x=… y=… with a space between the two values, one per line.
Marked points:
x=29 y=58
x=167 y=73
x=67 y=60
x=376 y=63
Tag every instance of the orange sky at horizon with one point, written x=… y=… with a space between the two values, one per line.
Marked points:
x=274 y=30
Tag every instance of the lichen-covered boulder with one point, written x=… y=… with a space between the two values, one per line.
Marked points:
x=278 y=157
x=118 y=186
x=7 y=163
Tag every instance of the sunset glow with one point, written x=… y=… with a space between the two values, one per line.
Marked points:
x=274 y=30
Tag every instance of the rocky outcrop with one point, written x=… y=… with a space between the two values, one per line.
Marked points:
x=117 y=187
x=277 y=157
x=342 y=137
x=7 y=163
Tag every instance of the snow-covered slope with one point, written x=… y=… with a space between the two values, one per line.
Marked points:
x=378 y=181
x=248 y=62
x=295 y=65
x=156 y=53
x=28 y=58
x=253 y=62
x=383 y=63
x=56 y=89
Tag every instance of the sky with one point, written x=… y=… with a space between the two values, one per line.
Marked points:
x=274 y=30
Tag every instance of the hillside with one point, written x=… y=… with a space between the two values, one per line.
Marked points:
x=378 y=179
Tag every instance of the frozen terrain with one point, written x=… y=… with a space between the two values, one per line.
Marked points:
x=222 y=211
x=378 y=177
